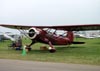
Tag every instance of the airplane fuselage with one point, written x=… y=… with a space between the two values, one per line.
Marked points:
x=44 y=37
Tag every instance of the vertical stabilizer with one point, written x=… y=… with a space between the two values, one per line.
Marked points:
x=70 y=36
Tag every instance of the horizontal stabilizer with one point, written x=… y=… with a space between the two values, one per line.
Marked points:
x=78 y=42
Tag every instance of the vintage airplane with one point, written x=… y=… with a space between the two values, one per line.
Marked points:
x=45 y=35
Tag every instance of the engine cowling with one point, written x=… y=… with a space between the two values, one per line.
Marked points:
x=32 y=33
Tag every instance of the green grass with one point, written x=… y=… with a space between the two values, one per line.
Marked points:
x=88 y=53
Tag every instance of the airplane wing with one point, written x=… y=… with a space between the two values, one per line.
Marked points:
x=60 y=27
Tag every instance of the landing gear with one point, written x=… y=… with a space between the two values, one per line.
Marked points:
x=52 y=50
x=29 y=49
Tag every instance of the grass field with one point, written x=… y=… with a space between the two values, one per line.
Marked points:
x=88 y=53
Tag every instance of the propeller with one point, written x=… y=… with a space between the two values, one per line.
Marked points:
x=32 y=33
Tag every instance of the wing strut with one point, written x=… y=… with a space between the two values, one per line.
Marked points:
x=24 y=32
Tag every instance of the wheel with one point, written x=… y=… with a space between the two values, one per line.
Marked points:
x=52 y=50
x=29 y=49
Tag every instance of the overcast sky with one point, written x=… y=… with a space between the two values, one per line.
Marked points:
x=50 y=12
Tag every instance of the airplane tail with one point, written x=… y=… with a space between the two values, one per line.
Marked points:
x=70 y=35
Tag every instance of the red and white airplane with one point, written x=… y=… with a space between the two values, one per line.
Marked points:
x=45 y=35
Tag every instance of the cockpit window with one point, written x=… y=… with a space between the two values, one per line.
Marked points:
x=56 y=32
